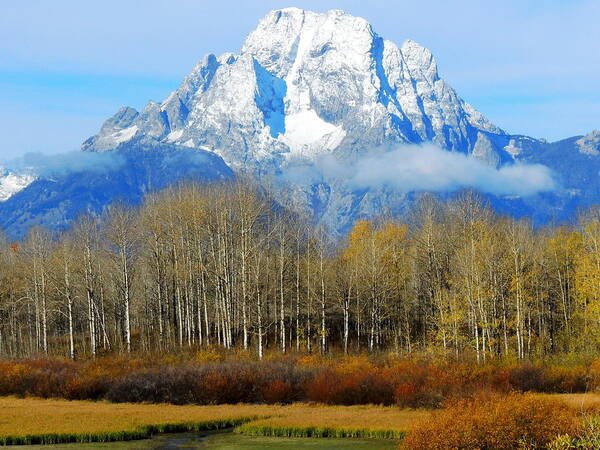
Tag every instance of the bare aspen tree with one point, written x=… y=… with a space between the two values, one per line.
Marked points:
x=86 y=233
x=64 y=262
x=123 y=236
x=37 y=247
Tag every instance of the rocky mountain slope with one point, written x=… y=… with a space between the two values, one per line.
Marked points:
x=309 y=92
x=55 y=202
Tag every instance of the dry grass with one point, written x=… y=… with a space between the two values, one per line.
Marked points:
x=583 y=402
x=39 y=416
x=108 y=421
x=336 y=421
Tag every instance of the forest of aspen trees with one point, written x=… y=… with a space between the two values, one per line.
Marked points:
x=222 y=265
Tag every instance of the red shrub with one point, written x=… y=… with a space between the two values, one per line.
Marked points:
x=561 y=379
x=323 y=387
x=87 y=387
x=279 y=391
x=526 y=377
x=355 y=388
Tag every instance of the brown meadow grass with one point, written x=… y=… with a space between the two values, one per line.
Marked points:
x=588 y=402
x=41 y=416
x=301 y=420
x=32 y=416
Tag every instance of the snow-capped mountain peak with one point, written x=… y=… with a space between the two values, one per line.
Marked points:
x=304 y=84
x=419 y=61
x=12 y=182
x=114 y=131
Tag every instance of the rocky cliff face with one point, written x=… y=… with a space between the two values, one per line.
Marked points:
x=310 y=86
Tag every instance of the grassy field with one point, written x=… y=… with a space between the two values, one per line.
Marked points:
x=589 y=401
x=40 y=421
x=341 y=421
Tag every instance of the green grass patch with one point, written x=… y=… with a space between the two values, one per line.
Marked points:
x=143 y=432
x=242 y=426
x=251 y=429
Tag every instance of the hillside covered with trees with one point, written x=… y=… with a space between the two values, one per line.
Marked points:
x=223 y=266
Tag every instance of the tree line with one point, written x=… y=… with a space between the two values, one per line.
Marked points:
x=223 y=265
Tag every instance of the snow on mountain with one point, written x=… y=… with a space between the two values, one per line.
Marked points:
x=590 y=144
x=114 y=131
x=303 y=84
x=11 y=183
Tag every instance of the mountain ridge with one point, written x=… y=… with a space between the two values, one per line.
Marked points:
x=311 y=85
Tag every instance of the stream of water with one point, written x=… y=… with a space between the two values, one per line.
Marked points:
x=227 y=441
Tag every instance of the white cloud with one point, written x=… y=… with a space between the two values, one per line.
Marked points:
x=425 y=168
x=65 y=163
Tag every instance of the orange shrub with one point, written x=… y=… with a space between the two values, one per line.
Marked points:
x=208 y=356
x=13 y=378
x=87 y=387
x=560 y=379
x=494 y=421
x=594 y=375
x=354 y=364
x=311 y=361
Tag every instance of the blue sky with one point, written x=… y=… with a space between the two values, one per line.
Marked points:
x=533 y=67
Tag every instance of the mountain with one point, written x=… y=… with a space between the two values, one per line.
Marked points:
x=305 y=106
x=305 y=84
x=12 y=182
x=55 y=202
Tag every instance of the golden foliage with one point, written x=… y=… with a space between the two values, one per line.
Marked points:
x=495 y=422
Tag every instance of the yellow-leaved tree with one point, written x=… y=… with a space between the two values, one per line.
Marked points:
x=587 y=276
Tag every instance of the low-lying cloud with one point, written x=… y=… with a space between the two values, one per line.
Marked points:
x=65 y=163
x=407 y=168
x=425 y=168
